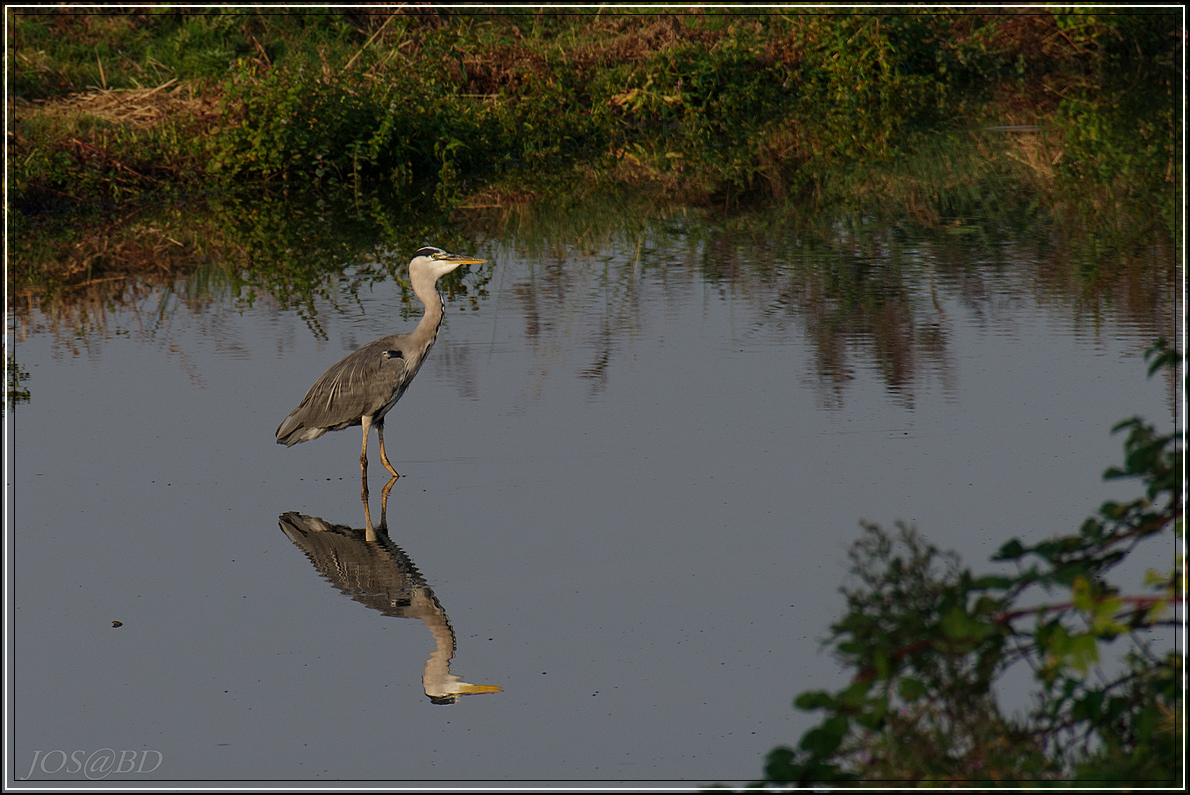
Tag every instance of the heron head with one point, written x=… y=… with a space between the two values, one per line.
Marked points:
x=439 y=262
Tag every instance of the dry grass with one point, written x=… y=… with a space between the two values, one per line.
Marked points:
x=135 y=107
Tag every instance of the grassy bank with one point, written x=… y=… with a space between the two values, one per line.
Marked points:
x=707 y=106
x=443 y=111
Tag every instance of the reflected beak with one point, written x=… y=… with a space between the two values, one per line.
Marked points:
x=466 y=689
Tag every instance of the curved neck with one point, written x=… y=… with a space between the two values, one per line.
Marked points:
x=424 y=288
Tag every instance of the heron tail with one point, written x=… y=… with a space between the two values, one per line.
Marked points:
x=292 y=431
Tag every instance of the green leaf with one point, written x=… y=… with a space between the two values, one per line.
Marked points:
x=851 y=647
x=815 y=699
x=1082 y=594
x=1010 y=551
x=781 y=765
x=1088 y=707
x=824 y=739
x=881 y=663
x=912 y=689
x=855 y=692
x=958 y=625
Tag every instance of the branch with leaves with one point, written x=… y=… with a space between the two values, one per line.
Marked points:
x=929 y=642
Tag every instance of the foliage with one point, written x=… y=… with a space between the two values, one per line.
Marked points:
x=1122 y=147
x=929 y=640
x=404 y=116
x=444 y=104
x=55 y=51
x=1115 y=35
x=75 y=160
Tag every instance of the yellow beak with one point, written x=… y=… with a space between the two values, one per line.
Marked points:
x=463 y=259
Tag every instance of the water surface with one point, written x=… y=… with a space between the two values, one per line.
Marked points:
x=631 y=472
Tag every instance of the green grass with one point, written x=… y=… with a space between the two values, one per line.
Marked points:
x=720 y=109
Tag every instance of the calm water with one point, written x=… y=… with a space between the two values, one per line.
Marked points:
x=631 y=473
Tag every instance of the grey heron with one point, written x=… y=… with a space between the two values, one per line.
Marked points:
x=361 y=387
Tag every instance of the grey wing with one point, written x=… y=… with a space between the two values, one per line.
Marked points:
x=360 y=384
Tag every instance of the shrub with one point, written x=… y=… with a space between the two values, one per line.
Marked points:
x=928 y=640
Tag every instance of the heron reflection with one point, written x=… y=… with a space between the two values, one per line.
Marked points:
x=367 y=566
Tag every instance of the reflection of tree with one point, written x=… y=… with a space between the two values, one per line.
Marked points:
x=301 y=254
x=594 y=299
x=149 y=272
x=855 y=302
x=868 y=291
x=866 y=264
x=365 y=565
x=1033 y=206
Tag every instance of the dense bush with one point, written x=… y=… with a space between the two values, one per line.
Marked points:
x=443 y=104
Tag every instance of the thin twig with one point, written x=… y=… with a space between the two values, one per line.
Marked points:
x=1137 y=602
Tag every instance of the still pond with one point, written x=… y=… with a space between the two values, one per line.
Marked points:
x=632 y=466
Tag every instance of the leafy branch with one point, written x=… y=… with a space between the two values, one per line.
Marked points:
x=929 y=641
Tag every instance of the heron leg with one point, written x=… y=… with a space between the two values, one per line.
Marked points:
x=383 y=455
x=366 y=422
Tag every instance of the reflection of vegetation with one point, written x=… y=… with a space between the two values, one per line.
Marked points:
x=298 y=252
x=294 y=251
x=866 y=270
x=802 y=184
x=928 y=642
x=15 y=376
x=57 y=264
